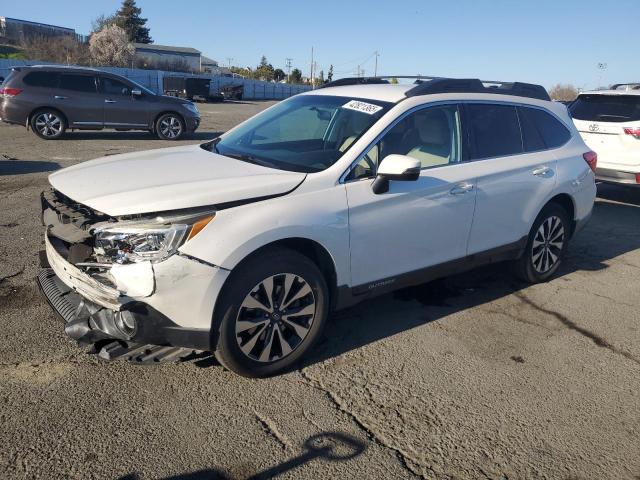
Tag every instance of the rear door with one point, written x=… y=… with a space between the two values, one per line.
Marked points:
x=121 y=108
x=610 y=126
x=78 y=98
x=512 y=181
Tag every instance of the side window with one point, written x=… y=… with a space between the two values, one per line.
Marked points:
x=431 y=135
x=41 y=79
x=111 y=86
x=78 y=83
x=531 y=135
x=495 y=131
x=550 y=130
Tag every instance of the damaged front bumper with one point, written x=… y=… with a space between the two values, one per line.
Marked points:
x=150 y=311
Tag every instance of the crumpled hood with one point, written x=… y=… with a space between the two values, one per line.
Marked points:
x=168 y=179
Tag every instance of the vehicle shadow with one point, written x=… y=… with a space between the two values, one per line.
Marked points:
x=131 y=135
x=629 y=195
x=327 y=446
x=21 y=167
x=612 y=231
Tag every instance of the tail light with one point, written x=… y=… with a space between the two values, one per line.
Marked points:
x=10 y=92
x=635 y=132
x=637 y=177
x=592 y=159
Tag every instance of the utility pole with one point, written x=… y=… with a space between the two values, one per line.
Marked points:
x=375 y=70
x=311 y=70
x=229 y=60
x=287 y=65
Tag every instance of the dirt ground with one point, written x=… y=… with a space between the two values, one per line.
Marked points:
x=474 y=376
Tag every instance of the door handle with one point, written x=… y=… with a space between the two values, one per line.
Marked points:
x=59 y=97
x=109 y=101
x=541 y=171
x=461 y=188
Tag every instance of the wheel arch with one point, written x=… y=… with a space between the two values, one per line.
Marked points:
x=567 y=202
x=41 y=108
x=164 y=112
x=311 y=249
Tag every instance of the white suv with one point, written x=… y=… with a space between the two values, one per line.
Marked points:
x=609 y=122
x=244 y=245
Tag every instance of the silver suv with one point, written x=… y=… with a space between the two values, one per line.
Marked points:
x=51 y=100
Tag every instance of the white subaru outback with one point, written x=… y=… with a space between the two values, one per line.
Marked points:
x=244 y=245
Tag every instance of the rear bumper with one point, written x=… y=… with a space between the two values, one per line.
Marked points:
x=609 y=175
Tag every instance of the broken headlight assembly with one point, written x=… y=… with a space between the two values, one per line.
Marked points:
x=140 y=241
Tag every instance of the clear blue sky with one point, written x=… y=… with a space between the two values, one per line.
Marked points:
x=543 y=41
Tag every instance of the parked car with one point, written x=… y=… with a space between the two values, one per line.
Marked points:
x=192 y=88
x=245 y=244
x=51 y=100
x=609 y=122
x=232 y=92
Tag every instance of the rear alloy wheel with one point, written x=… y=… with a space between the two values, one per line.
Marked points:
x=546 y=245
x=169 y=127
x=48 y=124
x=272 y=312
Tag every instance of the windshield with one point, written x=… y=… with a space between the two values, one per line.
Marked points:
x=306 y=133
x=606 y=108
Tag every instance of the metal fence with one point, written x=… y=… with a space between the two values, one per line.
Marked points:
x=152 y=79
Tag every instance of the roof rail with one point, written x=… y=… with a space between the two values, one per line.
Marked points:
x=426 y=85
x=628 y=86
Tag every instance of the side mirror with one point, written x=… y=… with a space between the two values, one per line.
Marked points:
x=136 y=93
x=395 y=167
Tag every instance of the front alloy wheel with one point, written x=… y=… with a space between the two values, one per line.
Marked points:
x=170 y=127
x=271 y=312
x=275 y=317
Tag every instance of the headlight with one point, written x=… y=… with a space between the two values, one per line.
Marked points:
x=138 y=242
x=191 y=107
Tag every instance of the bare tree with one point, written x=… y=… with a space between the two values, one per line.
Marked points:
x=62 y=49
x=565 y=92
x=110 y=46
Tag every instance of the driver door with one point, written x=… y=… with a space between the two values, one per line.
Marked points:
x=416 y=224
x=121 y=108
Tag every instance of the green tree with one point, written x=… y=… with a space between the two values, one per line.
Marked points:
x=296 y=76
x=279 y=75
x=394 y=80
x=128 y=18
x=330 y=74
x=264 y=71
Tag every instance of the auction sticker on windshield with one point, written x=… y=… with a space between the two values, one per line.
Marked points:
x=362 y=107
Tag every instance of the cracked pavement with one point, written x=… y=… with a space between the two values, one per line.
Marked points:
x=473 y=376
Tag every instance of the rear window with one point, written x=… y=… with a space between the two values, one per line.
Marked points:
x=540 y=130
x=78 y=83
x=606 y=108
x=41 y=79
x=495 y=130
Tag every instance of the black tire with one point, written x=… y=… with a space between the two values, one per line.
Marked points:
x=170 y=126
x=282 y=327
x=532 y=266
x=48 y=124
